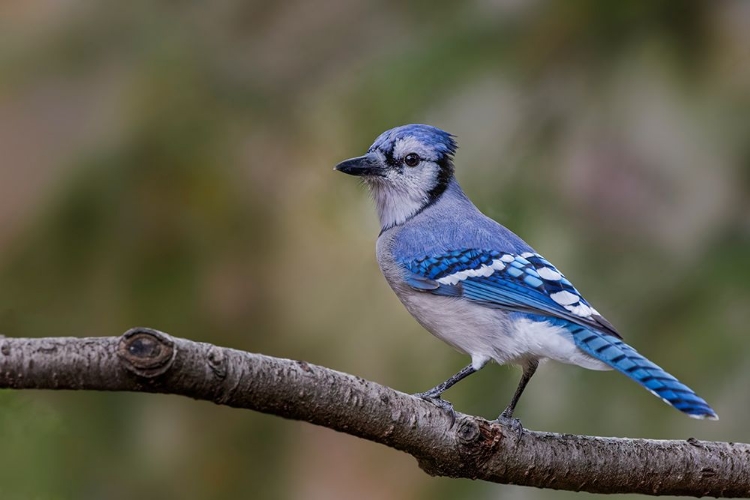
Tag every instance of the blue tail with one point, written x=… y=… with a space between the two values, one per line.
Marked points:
x=626 y=360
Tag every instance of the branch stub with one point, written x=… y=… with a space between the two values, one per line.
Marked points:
x=146 y=352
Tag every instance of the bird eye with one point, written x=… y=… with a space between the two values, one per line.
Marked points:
x=412 y=159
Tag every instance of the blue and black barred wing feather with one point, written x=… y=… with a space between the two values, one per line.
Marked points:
x=529 y=283
x=525 y=283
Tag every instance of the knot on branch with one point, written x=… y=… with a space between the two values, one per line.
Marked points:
x=217 y=361
x=476 y=442
x=146 y=352
x=468 y=431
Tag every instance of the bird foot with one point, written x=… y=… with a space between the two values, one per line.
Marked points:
x=435 y=399
x=507 y=420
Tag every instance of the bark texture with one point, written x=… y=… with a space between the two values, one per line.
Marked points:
x=145 y=360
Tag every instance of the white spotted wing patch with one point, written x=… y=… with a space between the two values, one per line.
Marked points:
x=483 y=271
x=565 y=298
x=549 y=274
x=523 y=281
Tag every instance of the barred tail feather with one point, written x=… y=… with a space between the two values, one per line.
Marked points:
x=623 y=358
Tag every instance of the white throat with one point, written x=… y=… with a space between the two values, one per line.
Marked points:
x=395 y=204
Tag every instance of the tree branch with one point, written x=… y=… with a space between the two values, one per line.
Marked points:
x=145 y=360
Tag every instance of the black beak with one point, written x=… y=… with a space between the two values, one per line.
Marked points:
x=360 y=166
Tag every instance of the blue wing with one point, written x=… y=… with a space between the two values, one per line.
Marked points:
x=525 y=282
x=528 y=283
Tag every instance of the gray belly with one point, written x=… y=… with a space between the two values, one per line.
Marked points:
x=478 y=331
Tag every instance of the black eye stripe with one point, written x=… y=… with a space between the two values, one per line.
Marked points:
x=389 y=159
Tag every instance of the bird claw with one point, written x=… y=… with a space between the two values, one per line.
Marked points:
x=435 y=399
x=513 y=423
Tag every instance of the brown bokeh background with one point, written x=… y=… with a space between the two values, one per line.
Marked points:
x=168 y=164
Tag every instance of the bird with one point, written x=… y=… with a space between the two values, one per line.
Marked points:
x=478 y=286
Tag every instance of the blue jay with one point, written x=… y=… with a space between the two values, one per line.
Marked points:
x=476 y=285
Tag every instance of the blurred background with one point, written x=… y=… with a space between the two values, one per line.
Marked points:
x=169 y=164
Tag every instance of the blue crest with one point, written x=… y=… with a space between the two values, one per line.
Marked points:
x=440 y=140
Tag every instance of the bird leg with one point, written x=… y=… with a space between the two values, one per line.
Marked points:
x=528 y=372
x=436 y=391
x=433 y=395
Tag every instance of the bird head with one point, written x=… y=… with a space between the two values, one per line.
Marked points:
x=406 y=169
